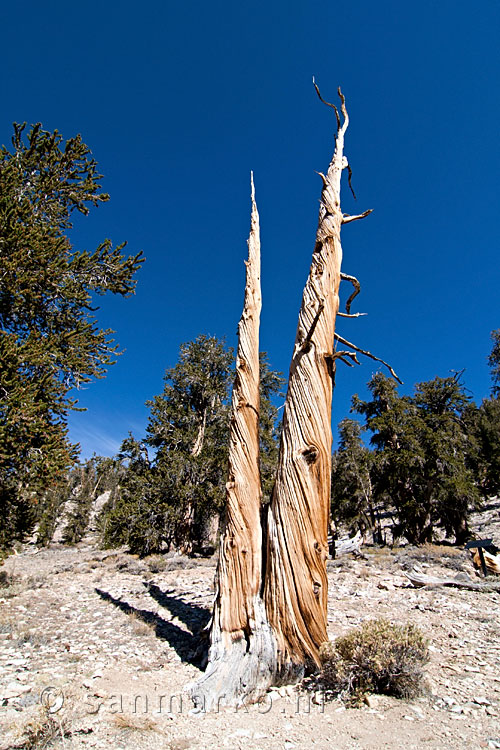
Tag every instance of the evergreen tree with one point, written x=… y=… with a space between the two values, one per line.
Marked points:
x=483 y=424
x=450 y=486
x=53 y=506
x=138 y=514
x=49 y=339
x=175 y=498
x=188 y=427
x=271 y=384
x=352 y=493
x=90 y=479
x=494 y=362
x=422 y=459
x=483 y=428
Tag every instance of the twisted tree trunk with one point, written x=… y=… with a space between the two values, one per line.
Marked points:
x=242 y=653
x=257 y=641
x=297 y=549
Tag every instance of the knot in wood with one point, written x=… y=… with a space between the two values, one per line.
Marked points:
x=316 y=589
x=319 y=269
x=310 y=454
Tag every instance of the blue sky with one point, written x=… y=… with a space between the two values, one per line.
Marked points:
x=179 y=101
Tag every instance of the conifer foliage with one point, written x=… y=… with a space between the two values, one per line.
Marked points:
x=483 y=424
x=494 y=362
x=352 y=490
x=423 y=459
x=173 y=489
x=50 y=341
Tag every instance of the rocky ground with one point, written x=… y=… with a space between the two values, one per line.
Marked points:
x=97 y=647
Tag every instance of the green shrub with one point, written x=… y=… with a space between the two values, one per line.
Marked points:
x=378 y=657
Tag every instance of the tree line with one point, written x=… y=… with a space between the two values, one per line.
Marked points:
x=432 y=457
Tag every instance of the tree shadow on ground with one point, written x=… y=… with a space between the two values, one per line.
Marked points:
x=191 y=646
x=192 y=615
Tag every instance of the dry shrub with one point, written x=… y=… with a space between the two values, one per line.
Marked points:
x=139 y=625
x=42 y=731
x=134 y=723
x=156 y=563
x=378 y=657
x=30 y=636
x=11 y=584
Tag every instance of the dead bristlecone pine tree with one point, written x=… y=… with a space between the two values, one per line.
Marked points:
x=270 y=612
x=241 y=655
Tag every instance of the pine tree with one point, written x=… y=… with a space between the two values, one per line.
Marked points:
x=271 y=384
x=449 y=480
x=176 y=497
x=352 y=492
x=50 y=341
x=422 y=461
x=483 y=425
x=494 y=362
x=188 y=427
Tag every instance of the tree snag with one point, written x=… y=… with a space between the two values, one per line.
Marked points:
x=295 y=581
x=270 y=621
x=242 y=652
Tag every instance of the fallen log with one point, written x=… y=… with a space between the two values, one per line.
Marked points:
x=344 y=546
x=491 y=562
x=418 y=580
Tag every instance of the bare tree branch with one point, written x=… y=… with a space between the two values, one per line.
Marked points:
x=343 y=107
x=349 y=315
x=357 y=289
x=367 y=354
x=346 y=218
x=307 y=341
x=349 y=178
x=329 y=104
x=323 y=178
x=343 y=354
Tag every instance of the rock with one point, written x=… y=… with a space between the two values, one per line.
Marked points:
x=448 y=701
x=418 y=712
x=482 y=701
x=13 y=690
x=242 y=733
